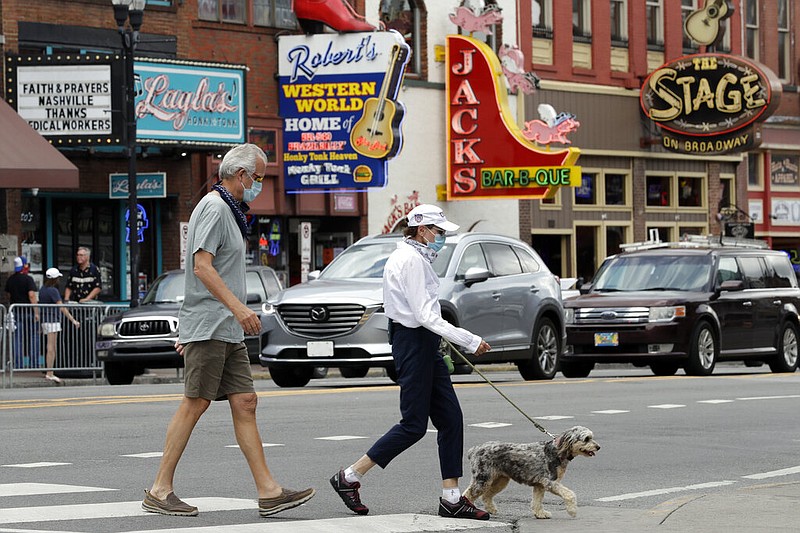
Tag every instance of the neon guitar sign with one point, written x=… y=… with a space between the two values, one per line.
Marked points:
x=377 y=133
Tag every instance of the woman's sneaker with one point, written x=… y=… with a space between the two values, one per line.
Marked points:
x=348 y=492
x=463 y=508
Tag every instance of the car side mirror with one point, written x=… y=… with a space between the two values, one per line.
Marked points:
x=585 y=288
x=475 y=275
x=731 y=285
x=253 y=298
x=314 y=274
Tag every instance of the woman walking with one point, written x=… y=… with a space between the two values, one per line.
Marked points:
x=51 y=324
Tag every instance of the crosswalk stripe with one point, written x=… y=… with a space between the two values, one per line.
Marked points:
x=37 y=489
x=35 y=465
x=397 y=523
x=51 y=513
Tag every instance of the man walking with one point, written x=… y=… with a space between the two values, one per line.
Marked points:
x=213 y=321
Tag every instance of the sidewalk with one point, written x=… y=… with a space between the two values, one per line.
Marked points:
x=755 y=509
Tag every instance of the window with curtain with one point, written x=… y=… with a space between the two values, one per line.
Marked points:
x=751 y=29
x=687 y=7
x=274 y=13
x=581 y=20
x=542 y=18
x=404 y=16
x=655 y=22
x=222 y=10
x=619 y=21
x=784 y=41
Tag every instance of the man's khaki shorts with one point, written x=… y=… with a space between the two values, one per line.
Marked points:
x=214 y=369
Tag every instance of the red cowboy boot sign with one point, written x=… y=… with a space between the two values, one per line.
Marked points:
x=487 y=154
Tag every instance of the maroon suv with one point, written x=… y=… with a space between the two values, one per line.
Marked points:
x=673 y=305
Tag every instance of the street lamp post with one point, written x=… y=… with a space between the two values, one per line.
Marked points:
x=133 y=12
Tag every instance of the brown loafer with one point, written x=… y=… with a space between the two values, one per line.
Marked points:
x=287 y=500
x=171 y=505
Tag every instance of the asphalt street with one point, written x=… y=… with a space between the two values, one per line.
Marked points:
x=678 y=453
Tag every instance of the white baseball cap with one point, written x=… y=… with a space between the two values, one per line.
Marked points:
x=53 y=273
x=430 y=215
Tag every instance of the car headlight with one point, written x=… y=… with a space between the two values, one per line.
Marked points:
x=569 y=316
x=666 y=314
x=107 y=330
x=268 y=309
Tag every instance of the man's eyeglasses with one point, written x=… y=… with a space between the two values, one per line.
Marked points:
x=255 y=177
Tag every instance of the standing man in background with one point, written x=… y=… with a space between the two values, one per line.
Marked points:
x=83 y=284
x=21 y=289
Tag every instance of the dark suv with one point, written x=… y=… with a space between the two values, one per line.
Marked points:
x=687 y=304
x=144 y=337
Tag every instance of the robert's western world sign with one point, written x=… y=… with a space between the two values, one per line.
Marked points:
x=341 y=118
x=709 y=103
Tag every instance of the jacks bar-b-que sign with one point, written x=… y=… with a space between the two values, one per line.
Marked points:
x=487 y=155
x=710 y=103
x=341 y=119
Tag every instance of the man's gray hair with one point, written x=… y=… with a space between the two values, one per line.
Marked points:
x=85 y=249
x=242 y=156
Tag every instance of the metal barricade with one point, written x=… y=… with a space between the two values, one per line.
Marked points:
x=43 y=330
x=5 y=326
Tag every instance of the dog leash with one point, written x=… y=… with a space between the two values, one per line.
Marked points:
x=481 y=374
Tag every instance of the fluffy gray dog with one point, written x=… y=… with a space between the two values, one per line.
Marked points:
x=540 y=465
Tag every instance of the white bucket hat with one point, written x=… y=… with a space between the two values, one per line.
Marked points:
x=430 y=215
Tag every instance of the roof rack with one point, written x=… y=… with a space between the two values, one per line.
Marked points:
x=696 y=241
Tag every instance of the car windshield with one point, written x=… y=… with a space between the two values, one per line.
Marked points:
x=654 y=273
x=165 y=289
x=367 y=261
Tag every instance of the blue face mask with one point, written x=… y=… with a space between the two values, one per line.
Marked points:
x=251 y=193
x=437 y=244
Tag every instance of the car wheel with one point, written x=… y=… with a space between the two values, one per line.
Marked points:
x=354 y=371
x=546 y=347
x=575 y=370
x=703 y=351
x=319 y=372
x=786 y=359
x=291 y=376
x=664 y=369
x=118 y=374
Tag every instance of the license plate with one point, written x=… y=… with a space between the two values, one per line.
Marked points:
x=606 y=339
x=320 y=348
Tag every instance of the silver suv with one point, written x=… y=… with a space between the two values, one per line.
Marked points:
x=495 y=286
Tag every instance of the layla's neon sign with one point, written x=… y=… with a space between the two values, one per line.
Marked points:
x=488 y=156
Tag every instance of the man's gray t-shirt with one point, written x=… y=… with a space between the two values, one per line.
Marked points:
x=213 y=228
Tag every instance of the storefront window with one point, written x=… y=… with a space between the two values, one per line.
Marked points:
x=91 y=224
x=586 y=194
x=662 y=233
x=615 y=236
x=615 y=189
x=690 y=192
x=658 y=191
x=754 y=171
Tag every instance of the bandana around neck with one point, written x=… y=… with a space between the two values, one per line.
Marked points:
x=423 y=249
x=238 y=208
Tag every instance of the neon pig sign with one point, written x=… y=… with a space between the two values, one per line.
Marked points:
x=487 y=154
